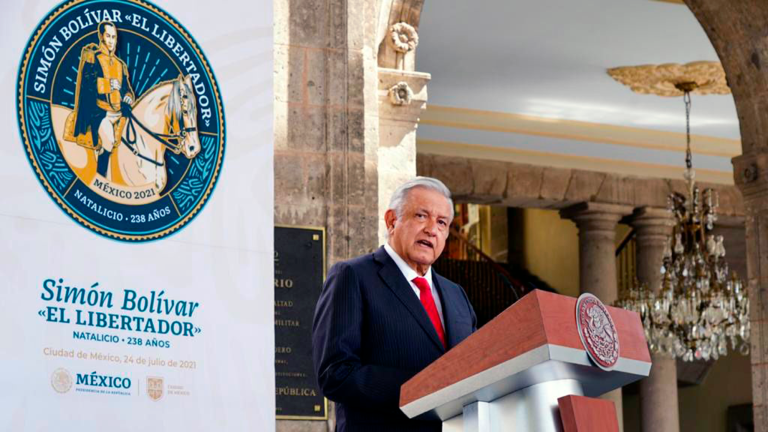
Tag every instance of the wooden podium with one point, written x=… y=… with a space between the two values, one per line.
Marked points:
x=528 y=370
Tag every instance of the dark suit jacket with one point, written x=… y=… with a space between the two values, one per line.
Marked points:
x=371 y=334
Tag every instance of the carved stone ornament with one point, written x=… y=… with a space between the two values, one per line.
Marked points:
x=749 y=174
x=660 y=80
x=401 y=94
x=403 y=37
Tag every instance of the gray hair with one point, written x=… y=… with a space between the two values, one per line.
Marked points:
x=397 y=202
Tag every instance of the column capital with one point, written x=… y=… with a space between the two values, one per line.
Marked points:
x=648 y=213
x=591 y=216
x=651 y=223
x=402 y=95
x=728 y=221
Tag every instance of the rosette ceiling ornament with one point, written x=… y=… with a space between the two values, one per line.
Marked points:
x=669 y=80
x=700 y=308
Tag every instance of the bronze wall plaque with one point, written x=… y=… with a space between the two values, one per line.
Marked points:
x=299 y=277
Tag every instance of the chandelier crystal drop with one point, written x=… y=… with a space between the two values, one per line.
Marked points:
x=700 y=309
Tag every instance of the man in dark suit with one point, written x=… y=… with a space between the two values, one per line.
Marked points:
x=383 y=317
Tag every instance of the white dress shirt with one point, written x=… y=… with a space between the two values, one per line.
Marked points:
x=410 y=274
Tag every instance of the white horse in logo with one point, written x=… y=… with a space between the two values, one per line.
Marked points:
x=165 y=117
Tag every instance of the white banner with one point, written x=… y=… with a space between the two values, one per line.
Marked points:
x=136 y=209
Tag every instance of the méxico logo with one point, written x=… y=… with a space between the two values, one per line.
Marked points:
x=121 y=117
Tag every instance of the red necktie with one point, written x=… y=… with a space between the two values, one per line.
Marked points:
x=425 y=294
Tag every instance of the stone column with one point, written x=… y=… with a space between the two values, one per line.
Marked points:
x=402 y=97
x=597 y=259
x=751 y=176
x=658 y=392
x=325 y=130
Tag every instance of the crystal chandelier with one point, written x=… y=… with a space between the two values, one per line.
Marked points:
x=699 y=307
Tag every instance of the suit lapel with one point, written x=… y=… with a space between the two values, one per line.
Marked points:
x=394 y=279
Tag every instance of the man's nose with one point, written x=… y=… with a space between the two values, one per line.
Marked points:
x=431 y=227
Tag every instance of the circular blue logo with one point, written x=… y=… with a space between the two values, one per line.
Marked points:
x=121 y=117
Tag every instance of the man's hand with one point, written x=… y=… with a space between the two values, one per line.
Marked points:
x=114 y=84
x=127 y=99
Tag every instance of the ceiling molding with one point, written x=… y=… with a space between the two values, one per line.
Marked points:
x=638 y=169
x=463 y=118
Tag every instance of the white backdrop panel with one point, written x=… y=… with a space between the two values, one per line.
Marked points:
x=223 y=260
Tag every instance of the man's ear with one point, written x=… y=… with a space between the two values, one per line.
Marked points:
x=389 y=218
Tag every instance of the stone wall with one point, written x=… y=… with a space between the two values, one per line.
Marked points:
x=326 y=128
x=326 y=125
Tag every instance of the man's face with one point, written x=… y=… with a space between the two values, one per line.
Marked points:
x=110 y=37
x=420 y=233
